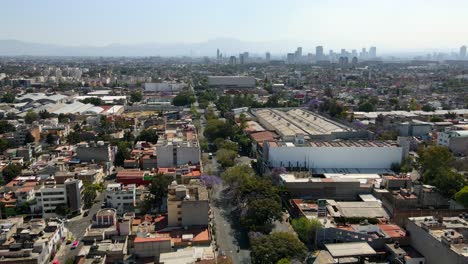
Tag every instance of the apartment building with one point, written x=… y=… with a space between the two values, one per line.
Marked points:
x=455 y=140
x=187 y=205
x=51 y=195
x=178 y=147
x=121 y=197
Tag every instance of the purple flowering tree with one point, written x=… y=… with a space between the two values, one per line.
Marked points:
x=210 y=180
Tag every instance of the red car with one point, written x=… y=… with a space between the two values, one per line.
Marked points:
x=74 y=244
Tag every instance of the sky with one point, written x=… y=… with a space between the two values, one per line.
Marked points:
x=391 y=25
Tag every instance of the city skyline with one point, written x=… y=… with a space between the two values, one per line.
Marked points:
x=420 y=26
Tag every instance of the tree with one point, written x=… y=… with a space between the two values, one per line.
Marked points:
x=44 y=114
x=276 y=246
x=427 y=108
x=366 y=107
x=148 y=135
x=261 y=213
x=51 y=139
x=283 y=261
x=11 y=171
x=306 y=229
x=226 y=157
x=183 y=99
x=62 y=210
x=92 y=100
x=210 y=180
x=123 y=153
x=462 y=196
x=29 y=138
x=226 y=144
x=6 y=127
x=8 y=98
x=158 y=190
x=136 y=96
x=436 y=163
x=89 y=194
x=30 y=117
x=3 y=145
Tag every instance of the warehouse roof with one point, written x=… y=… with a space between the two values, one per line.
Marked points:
x=354 y=249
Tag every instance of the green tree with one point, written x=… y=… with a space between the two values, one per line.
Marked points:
x=11 y=171
x=284 y=261
x=366 y=107
x=30 y=117
x=92 y=100
x=62 y=210
x=306 y=229
x=6 y=127
x=226 y=157
x=148 y=135
x=50 y=138
x=4 y=145
x=261 y=213
x=136 y=96
x=123 y=153
x=89 y=194
x=8 y=98
x=436 y=163
x=158 y=190
x=427 y=108
x=29 y=138
x=44 y=114
x=462 y=196
x=276 y=246
x=183 y=99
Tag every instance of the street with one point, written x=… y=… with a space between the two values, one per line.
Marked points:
x=227 y=238
x=77 y=226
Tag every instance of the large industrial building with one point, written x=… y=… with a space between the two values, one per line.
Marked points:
x=332 y=154
x=164 y=87
x=300 y=122
x=231 y=82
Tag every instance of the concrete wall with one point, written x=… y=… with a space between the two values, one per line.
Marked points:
x=152 y=249
x=165 y=156
x=329 y=190
x=195 y=213
x=334 y=157
x=97 y=153
x=188 y=154
x=434 y=251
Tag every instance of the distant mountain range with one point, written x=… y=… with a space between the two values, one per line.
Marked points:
x=227 y=46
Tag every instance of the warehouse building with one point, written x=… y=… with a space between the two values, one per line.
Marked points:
x=297 y=121
x=231 y=82
x=332 y=155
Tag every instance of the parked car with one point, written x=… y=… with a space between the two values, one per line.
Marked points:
x=74 y=244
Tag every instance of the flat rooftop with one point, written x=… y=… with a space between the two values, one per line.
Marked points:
x=354 y=249
x=299 y=121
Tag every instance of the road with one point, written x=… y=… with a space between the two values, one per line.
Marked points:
x=227 y=238
x=77 y=226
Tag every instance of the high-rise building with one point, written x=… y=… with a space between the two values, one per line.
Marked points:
x=267 y=56
x=373 y=52
x=217 y=54
x=319 y=53
x=241 y=58
x=463 y=51
x=232 y=60
x=299 y=52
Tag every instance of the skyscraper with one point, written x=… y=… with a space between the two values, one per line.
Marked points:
x=373 y=52
x=298 y=53
x=217 y=54
x=267 y=56
x=463 y=52
x=319 y=52
x=233 y=60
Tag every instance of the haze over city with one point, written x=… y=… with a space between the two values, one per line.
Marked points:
x=233 y=131
x=195 y=27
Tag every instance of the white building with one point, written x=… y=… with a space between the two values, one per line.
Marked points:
x=121 y=197
x=456 y=141
x=178 y=147
x=51 y=195
x=164 y=87
x=332 y=155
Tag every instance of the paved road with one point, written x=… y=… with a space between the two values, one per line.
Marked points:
x=226 y=237
x=77 y=226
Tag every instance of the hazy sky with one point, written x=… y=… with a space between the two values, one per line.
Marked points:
x=387 y=24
